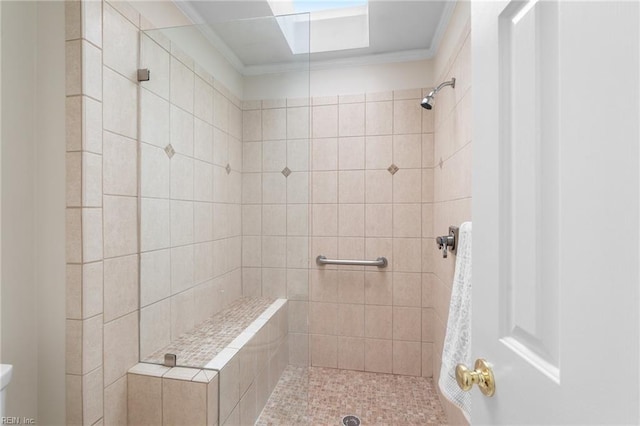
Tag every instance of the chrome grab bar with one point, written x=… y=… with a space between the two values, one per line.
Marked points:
x=380 y=262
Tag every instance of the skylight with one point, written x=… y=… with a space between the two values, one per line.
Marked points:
x=314 y=26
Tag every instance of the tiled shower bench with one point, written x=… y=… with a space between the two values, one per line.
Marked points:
x=234 y=362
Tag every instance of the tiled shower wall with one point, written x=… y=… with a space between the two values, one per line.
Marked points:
x=452 y=174
x=344 y=317
x=102 y=201
x=275 y=209
x=191 y=163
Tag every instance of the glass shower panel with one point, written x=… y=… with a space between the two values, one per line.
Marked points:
x=224 y=202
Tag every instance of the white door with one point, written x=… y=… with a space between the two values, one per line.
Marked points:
x=555 y=210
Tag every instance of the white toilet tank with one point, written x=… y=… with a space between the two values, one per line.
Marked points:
x=6 y=370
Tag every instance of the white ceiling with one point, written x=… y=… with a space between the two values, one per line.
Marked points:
x=249 y=36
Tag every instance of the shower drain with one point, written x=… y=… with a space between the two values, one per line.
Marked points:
x=350 y=421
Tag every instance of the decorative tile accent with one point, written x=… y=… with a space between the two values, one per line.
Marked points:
x=228 y=168
x=200 y=345
x=324 y=396
x=170 y=151
x=286 y=172
x=393 y=169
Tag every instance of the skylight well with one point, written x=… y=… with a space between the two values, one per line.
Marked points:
x=312 y=26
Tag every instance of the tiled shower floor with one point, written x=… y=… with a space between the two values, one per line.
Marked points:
x=323 y=396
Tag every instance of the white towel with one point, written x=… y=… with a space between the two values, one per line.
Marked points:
x=457 y=342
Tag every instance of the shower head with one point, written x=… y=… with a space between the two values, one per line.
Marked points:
x=427 y=101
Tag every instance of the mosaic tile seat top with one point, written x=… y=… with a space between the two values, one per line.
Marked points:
x=197 y=347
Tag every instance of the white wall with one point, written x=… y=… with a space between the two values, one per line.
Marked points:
x=33 y=141
x=343 y=80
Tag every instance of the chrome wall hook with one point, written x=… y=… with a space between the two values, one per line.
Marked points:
x=448 y=242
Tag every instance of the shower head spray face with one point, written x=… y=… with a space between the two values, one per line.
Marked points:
x=427 y=102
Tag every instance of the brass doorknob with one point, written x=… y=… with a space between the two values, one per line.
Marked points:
x=481 y=376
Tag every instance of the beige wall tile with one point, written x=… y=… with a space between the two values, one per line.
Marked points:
x=91 y=235
x=120 y=104
x=182 y=85
x=91 y=70
x=203 y=100
x=144 y=398
x=351 y=187
x=406 y=323
x=298 y=123
x=378 y=186
x=378 y=322
x=120 y=347
x=154 y=174
x=155 y=327
x=379 y=152
x=378 y=355
x=154 y=119
x=220 y=111
x=378 y=220
x=351 y=353
x=406 y=117
x=274 y=188
x=115 y=403
x=324 y=351
x=427 y=360
x=379 y=118
x=181 y=223
x=252 y=157
x=351 y=119
x=182 y=178
x=120 y=226
x=274 y=124
x=325 y=121
x=184 y=402
x=203 y=140
x=229 y=388
x=324 y=285
x=274 y=155
x=212 y=400
x=155 y=57
x=407 y=185
x=182 y=313
x=407 y=151
x=298 y=154
x=351 y=220
x=92 y=397
x=407 y=289
x=350 y=320
x=120 y=45
x=407 y=358
x=182 y=268
x=324 y=153
x=407 y=220
x=120 y=286
x=252 y=125
x=155 y=224
x=407 y=255
x=91 y=343
x=351 y=153
x=323 y=318
x=378 y=288
x=120 y=165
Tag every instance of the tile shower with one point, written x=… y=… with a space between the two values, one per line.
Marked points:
x=236 y=199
